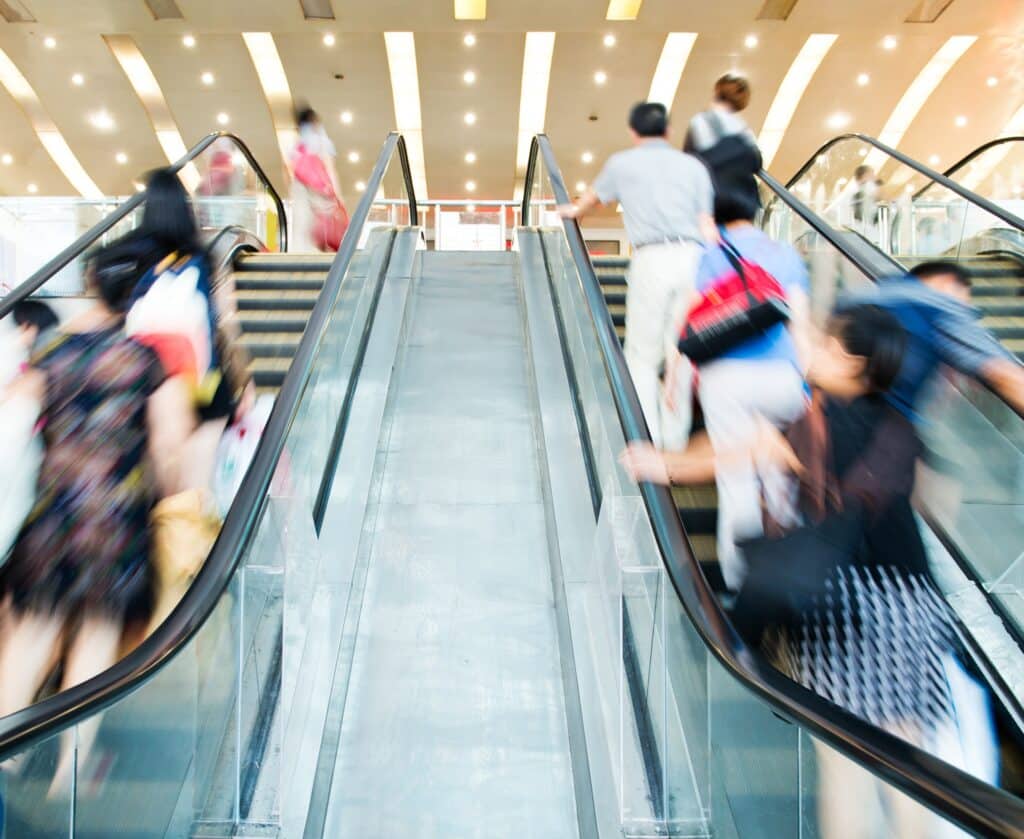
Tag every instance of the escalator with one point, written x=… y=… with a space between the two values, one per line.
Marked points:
x=437 y=606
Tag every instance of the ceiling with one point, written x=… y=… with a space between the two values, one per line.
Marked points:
x=353 y=75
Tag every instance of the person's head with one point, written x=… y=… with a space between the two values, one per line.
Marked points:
x=733 y=92
x=945 y=277
x=861 y=354
x=167 y=216
x=33 y=318
x=862 y=174
x=648 y=120
x=306 y=117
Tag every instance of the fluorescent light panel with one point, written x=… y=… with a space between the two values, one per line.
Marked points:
x=790 y=92
x=623 y=9
x=533 y=99
x=405 y=91
x=674 y=56
x=53 y=141
x=274 y=82
x=470 y=9
x=917 y=94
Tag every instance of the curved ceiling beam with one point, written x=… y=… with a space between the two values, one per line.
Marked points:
x=140 y=77
x=405 y=90
x=671 y=64
x=270 y=70
x=917 y=94
x=787 y=97
x=53 y=141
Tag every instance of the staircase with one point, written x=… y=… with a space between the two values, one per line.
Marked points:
x=275 y=294
x=998 y=290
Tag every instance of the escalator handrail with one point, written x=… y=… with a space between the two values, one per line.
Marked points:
x=93 y=234
x=970 y=197
x=63 y=709
x=958 y=796
x=967 y=159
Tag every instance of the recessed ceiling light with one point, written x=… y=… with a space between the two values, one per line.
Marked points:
x=609 y=40
x=470 y=157
x=50 y=43
x=838 y=121
x=223 y=118
x=960 y=121
x=101 y=120
x=207 y=78
x=908 y=188
x=469 y=77
x=329 y=39
x=469 y=40
x=188 y=41
x=600 y=77
x=587 y=157
x=581 y=186
x=360 y=186
x=933 y=160
x=992 y=81
x=139 y=187
x=78 y=80
x=470 y=186
x=862 y=152
x=33 y=188
x=469 y=118
x=863 y=79
x=7 y=159
x=842 y=181
x=750 y=41
x=353 y=157
x=121 y=158
x=471 y=208
x=346 y=117
x=889 y=42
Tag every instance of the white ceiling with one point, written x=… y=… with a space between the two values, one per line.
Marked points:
x=497 y=58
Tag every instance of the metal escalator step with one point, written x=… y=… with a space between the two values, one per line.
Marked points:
x=269 y=372
x=999 y=306
x=1005 y=328
x=615 y=298
x=271 y=344
x=289 y=300
x=260 y=321
x=287 y=262
x=279 y=282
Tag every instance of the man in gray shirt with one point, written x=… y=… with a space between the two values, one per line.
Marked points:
x=666 y=199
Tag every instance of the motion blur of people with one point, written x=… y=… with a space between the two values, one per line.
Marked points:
x=667 y=201
x=838 y=592
x=220 y=181
x=759 y=378
x=864 y=202
x=721 y=138
x=319 y=218
x=933 y=306
x=35 y=321
x=114 y=427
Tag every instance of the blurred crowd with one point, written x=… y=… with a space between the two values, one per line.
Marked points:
x=809 y=432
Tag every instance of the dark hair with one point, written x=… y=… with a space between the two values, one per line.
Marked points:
x=733 y=91
x=942 y=268
x=34 y=313
x=167 y=216
x=649 y=119
x=861 y=171
x=305 y=115
x=875 y=335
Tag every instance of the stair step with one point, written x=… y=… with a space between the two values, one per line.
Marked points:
x=279 y=282
x=280 y=262
x=271 y=344
x=290 y=301
x=270 y=322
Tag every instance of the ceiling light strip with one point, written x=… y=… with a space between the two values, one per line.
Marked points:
x=270 y=71
x=533 y=99
x=140 y=77
x=623 y=9
x=917 y=94
x=470 y=9
x=790 y=92
x=405 y=91
x=53 y=141
x=669 y=71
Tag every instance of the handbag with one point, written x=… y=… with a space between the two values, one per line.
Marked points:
x=236 y=450
x=735 y=308
x=329 y=228
x=311 y=172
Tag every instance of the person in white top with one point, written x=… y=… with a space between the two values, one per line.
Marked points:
x=306 y=203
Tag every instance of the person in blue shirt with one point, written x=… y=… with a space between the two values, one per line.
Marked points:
x=933 y=306
x=760 y=380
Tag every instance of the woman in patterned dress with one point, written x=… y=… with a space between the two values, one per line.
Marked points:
x=113 y=428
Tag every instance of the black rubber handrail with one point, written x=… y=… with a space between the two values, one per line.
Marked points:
x=955 y=795
x=990 y=207
x=967 y=159
x=45 y=718
x=93 y=234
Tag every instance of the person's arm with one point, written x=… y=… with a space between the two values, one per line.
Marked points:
x=604 y=190
x=1006 y=377
x=583 y=205
x=169 y=420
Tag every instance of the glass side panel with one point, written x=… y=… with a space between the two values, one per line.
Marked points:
x=997 y=174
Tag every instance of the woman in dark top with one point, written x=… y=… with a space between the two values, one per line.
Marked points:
x=113 y=431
